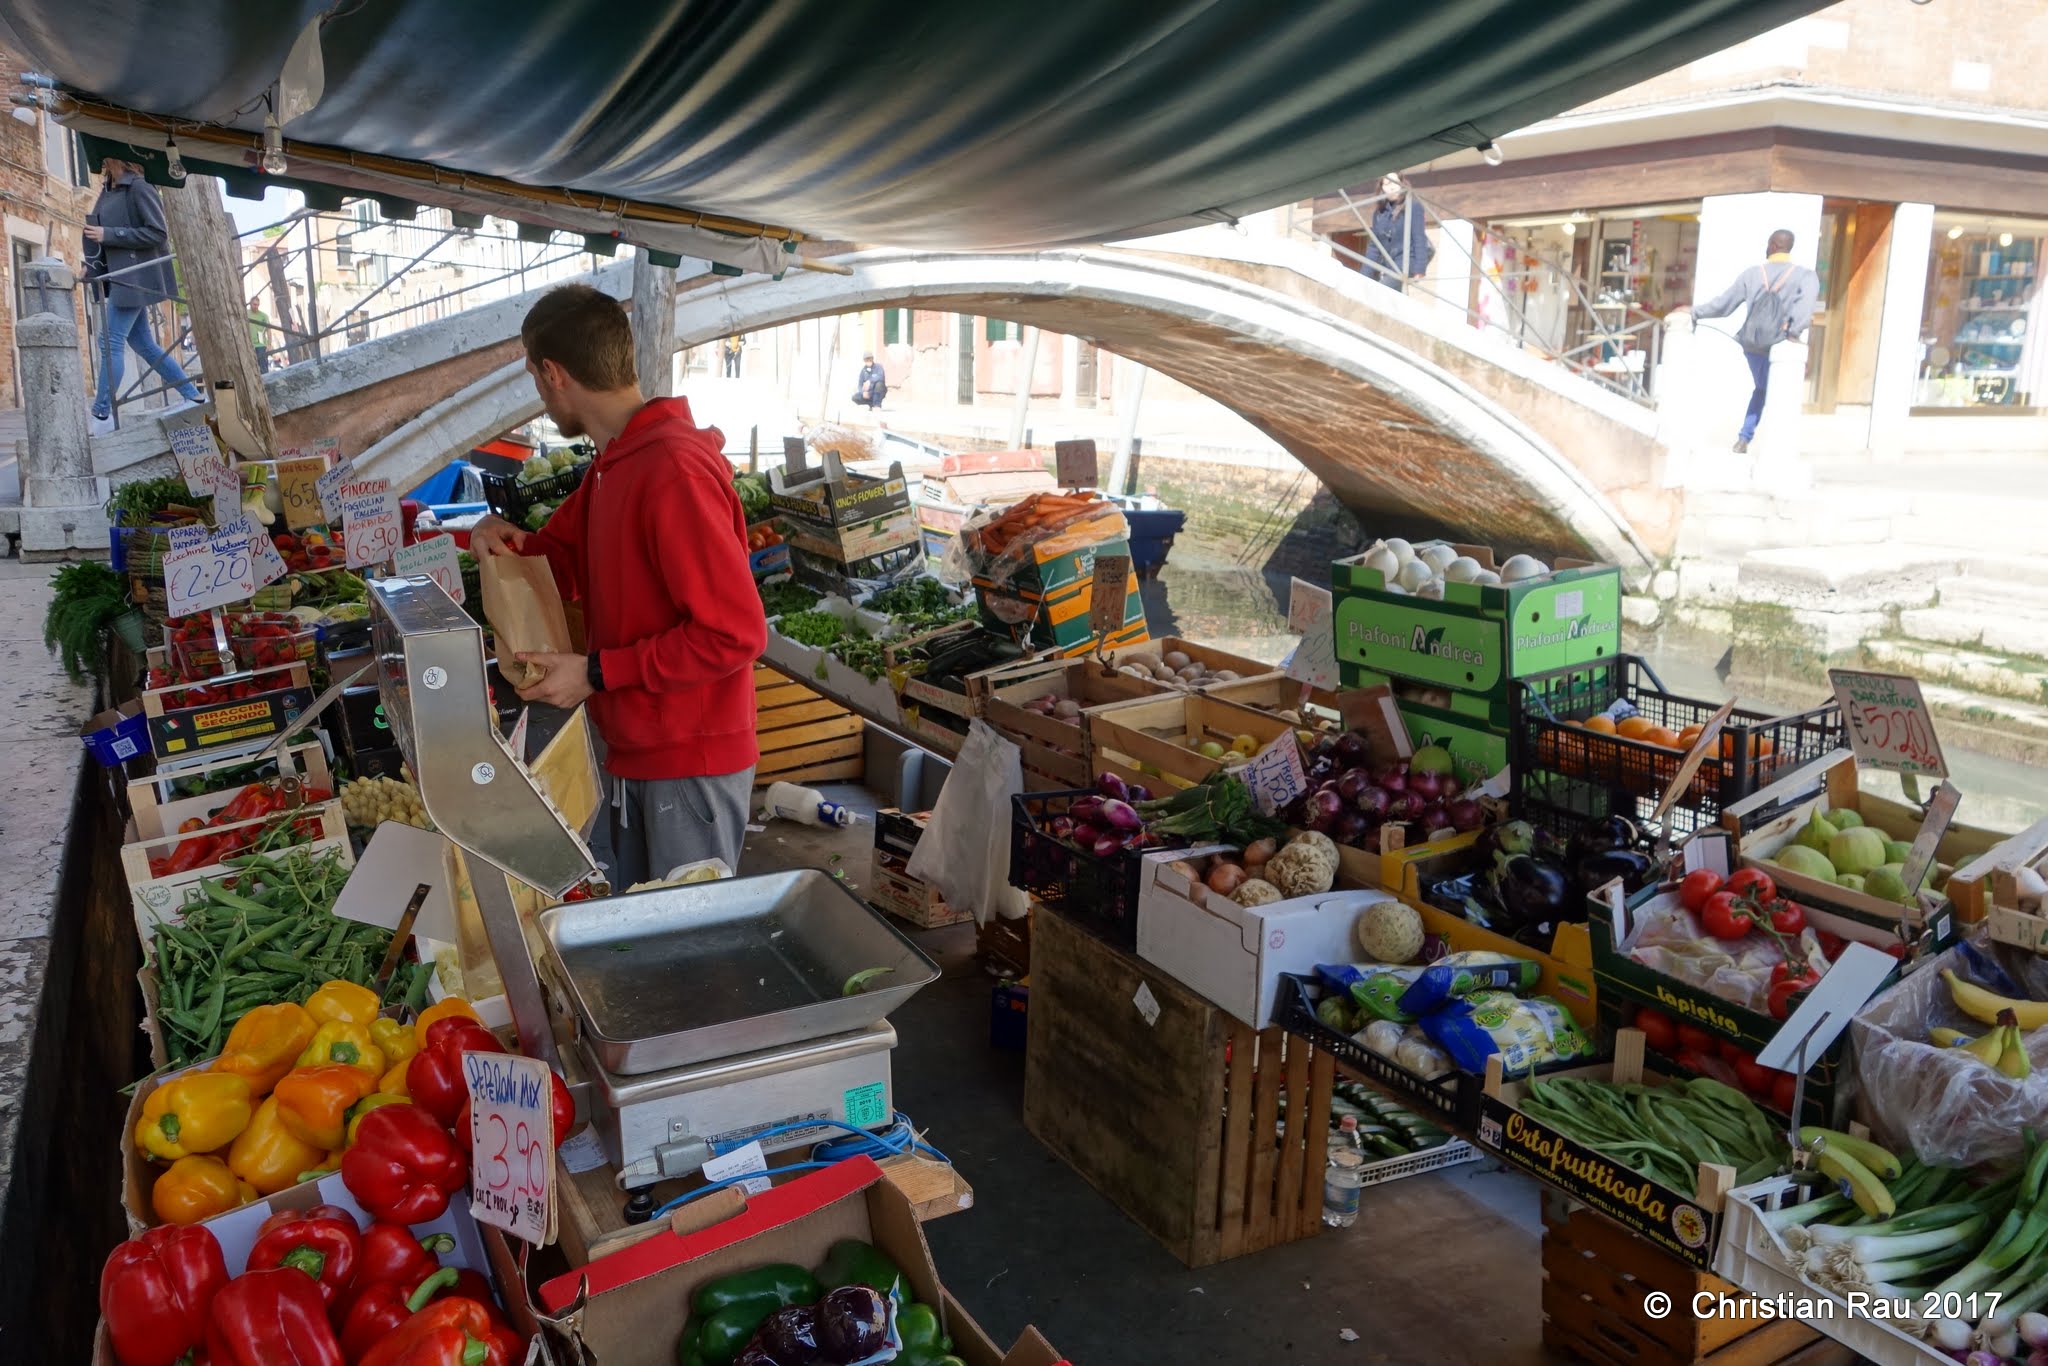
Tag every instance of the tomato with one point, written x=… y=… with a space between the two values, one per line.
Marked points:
x=1696 y=1040
x=1724 y=917
x=1754 y=1076
x=1831 y=944
x=1752 y=884
x=1897 y=948
x=1787 y=917
x=1660 y=1032
x=1782 y=1087
x=1731 y=1052
x=1698 y=885
x=1782 y=996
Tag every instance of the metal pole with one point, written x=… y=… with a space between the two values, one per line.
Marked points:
x=1022 y=411
x=312 y=294
x=1127 y=435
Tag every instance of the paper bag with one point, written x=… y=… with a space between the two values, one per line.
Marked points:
x=525 y=612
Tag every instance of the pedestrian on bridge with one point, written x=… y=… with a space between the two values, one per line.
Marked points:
x=127 y=259
x=1397 y=249
x=1781 y=296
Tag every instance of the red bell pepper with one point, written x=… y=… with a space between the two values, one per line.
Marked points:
x=193 y=851
x=252 y=800
x=448 y=1332
x=434 y=1076
x=390 y=1252
x=471 y=1285
x=384 y=1306
x=404 y=1165
x=155 y=1291
x=271 y=1318
x=324 y=1247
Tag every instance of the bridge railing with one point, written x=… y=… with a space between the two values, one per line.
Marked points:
x=1612 y=342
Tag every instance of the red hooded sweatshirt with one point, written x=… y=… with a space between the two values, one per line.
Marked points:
x=655 y=544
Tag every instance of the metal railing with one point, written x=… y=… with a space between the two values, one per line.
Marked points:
x=1615 y=343
x=368 y=292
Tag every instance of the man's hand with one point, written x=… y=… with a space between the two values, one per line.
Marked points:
x=496 y=536
x=1679 y=315
x=95 y=233
x=566 y=683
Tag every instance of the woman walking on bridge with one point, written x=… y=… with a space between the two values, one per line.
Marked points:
x=125 y=254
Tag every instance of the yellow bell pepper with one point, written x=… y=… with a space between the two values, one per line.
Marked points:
x=399 y=1041
x=268 y=1156
x=195 y=1189
x=264 y=1043
x=449 y=1007
x=312 y=1102
x=344 y=1002
x=376 y=1100
x=349 y=1044
x=393 y=1083
x=195 y=1113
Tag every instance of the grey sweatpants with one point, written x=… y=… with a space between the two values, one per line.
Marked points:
x=650 y=827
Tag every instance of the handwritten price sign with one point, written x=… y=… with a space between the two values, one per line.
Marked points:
x=329 y=487
x=511 y=1143
x=370 y=523
x=298 y=489
x=434 y=557
x=1314 y=661
x=204 y=574
x=1275 y=775
x=1887 y=722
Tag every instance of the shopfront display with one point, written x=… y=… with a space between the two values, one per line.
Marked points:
x=1982 y=327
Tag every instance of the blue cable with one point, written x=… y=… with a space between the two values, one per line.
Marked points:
x=895 y=1141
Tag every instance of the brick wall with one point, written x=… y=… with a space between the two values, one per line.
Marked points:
x=40 y=204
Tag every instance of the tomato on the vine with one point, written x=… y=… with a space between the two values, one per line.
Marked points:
x=1781 y=999
x=1831 y=945
x=1697 y=886
x=1787 y=917
x=1693 y=1039
x=1783 y=1087
x=1724 y=917
x=1750 y=882
x=1731 y=1051
x=1660 y=1032
x=1754 y=1076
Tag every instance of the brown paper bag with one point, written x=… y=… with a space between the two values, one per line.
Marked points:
x=525 y=612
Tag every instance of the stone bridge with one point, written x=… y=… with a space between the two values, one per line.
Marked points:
x=1412 y=418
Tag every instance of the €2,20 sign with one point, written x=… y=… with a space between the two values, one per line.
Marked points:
x=207 y=573
x=511 y=1143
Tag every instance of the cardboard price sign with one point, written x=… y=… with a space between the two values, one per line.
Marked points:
x=298 y=489
x=1314 y=661
x=1275 y=775
x=370 y=525
x=1941 y=810
x=435 y=558
x=329 y=486
x=201 y=465
x=1887 y=721
x=209 y=573
x=269 y=565
x=1106 y=600
x=1075 y=464
x=511 y=1143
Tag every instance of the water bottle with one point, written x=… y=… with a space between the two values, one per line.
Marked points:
x=804 y=805
x=1342 y=1181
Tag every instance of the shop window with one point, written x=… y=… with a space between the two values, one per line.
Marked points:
x=997 y=330
x=896 y=327
x=23 y=254
x=1982 y=344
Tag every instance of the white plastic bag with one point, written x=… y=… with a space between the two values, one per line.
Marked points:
x=965 y=848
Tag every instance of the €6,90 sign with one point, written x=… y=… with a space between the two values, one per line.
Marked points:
x=511 y=1143
x=370 y=523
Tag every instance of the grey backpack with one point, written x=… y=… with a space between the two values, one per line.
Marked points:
x=1767 y=322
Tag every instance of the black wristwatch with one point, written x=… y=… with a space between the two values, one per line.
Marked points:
x=595 y=672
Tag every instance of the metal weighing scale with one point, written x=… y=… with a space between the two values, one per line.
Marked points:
x=704 y=1013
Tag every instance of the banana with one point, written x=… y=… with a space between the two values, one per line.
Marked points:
x=1988 y=1048
x=1979 y=1004
x=1878 y=1161
x=2014 y=1062
x=1943 y=1037
x=1858 y=1182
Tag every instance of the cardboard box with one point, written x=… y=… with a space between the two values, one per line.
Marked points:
x=1069 y=555
x=1057 y=616
x=639 y=1295
x=180 y=730
x=899 y=831
x=1477 y=638
x=908 y=898
x=157 y=810
x=1233 y=955
x=1246 y=668
x=1478 y=750
x=117 y=735
x=833 y=496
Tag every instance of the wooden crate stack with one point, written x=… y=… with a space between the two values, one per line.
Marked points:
x=1173 y=1118
x=803 y=737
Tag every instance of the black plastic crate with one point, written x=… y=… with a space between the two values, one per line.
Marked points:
x=512 y=500
x=1566 y=775
x=1453 y=1098
x=1098 y=893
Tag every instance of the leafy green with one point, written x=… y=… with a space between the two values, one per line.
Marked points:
x=753 y=492
x=1217 y=810
x=144 y=498
x=84 y=600
x=782 y=599
x=816 y=629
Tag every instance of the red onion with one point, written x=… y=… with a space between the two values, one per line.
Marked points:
x=1138 y=792
x=1428 y=786
x=1449 y=786
x=1352 y=782
x=1109 y=785
x=1085 y=808
x=1107 y=845
x=1086 y=833
x=1348 y=828
x=1351 y=750
x=1465 y=814
x=1404 y=806
x=1372 y=802
x=1121 y=817
x=1431 y=819
x=1061 y=826
x=1394 y=777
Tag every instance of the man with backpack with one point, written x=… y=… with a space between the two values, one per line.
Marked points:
x=1781 y=295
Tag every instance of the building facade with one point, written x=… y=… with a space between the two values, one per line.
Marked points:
x=46 y=190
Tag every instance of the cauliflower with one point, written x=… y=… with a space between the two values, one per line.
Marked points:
x=1306 y=867
x=1255 y=891
x=1390 y=932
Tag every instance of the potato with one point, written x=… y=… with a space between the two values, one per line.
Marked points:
x=1164 y=674
x=1177 y=659
x=1066 y=709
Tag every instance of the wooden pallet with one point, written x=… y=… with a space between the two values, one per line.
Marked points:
x=803 y=737
x=1596 y=1276
x=1006 y=943
x=1174 y=1119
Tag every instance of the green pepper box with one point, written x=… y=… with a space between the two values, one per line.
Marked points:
x=1477 y=638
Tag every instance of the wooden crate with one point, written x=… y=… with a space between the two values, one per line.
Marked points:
x=1006 y=944
x=803 y=737
x=1161 y=733
x=1218 y=661
x=1173 y=1119
x=1596 y=1277
x=1055 y=751
x=1985 y=888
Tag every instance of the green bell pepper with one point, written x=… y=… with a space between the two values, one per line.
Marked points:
x=853 y=1262
x=918 y=1326
x=730 y=1329
x=771 y=1287
x=688 y=1350
x=927 y=1356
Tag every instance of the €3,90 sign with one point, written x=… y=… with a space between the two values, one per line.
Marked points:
x=511 y=1143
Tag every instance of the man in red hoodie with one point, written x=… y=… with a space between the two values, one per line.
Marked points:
x=655 y=544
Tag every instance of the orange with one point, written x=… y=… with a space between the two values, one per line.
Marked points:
x=1601 y=724
x=1635 y=727
x=1662 y=735
x=1688 y=735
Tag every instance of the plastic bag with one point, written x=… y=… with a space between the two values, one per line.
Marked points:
x=1950 y=1108
x=1670 y=941
x=965 y=848
x=1526 y=1033
x=1406 y=991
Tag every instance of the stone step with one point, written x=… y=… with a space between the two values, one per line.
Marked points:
x=1973 y=651
x=1996 y=593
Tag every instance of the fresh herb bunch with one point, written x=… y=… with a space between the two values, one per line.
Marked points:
x=858 y=650
x=920 y=596
x=84 y=598
x=1217 y=810
x=816 y=629
x=754 y=499
x=144 y=498
x=784 y=599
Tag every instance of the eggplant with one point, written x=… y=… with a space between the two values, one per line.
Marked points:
x=1597 y=837
x=853 y=1323
x=1594 y=871
x=790 y=1335
x=1531 y=890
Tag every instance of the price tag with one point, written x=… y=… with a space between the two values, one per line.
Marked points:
x=329 y=487
x=741 y=1161
x=1147 y=1003
x=1941 y=809
x=1075 y=464
x=213 y=572
x=298 y=489
x=511 y=1143
x=1109 y=593
x=434 y=557
x=1275 y=775
x=1887 y=722
x=370 y=523
x=268 y=565
x=1314 y=660
x=200 y=463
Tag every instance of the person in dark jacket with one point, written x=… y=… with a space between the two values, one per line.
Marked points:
x=125 y=254
x=1398 y=249
x=873 y=385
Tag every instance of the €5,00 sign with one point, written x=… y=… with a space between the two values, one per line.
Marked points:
x=511 y=1143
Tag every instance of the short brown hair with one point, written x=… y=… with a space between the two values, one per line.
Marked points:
x=584 y=331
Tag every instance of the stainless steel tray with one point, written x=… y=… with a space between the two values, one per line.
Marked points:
x=685 y=975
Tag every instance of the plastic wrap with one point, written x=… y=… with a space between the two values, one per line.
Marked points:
x=1950 y=1108
x=1670 y=941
